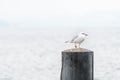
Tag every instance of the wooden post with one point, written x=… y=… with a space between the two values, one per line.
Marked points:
x=77 y=64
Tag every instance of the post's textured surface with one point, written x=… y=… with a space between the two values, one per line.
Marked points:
x=77 y=64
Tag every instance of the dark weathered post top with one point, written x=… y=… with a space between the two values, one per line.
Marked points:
x=77 y=64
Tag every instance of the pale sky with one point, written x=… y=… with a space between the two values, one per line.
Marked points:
x=60 y=12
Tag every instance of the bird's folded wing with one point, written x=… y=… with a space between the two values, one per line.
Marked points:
x=74 y=38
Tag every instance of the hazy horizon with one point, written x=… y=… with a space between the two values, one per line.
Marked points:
x=63 y=13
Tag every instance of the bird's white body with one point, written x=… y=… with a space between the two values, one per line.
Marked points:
x=78 y=39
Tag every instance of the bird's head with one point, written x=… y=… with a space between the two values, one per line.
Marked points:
x=83 y=34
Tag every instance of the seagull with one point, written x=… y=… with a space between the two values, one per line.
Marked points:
x=78 y=39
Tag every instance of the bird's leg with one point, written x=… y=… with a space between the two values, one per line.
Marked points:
x=79 y=45
x=75 y=45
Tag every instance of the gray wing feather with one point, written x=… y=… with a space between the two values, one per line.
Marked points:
x=74 y=38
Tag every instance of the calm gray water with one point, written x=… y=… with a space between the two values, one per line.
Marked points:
x=35 y=53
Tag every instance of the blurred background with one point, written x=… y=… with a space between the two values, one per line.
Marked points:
x=33 y=32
